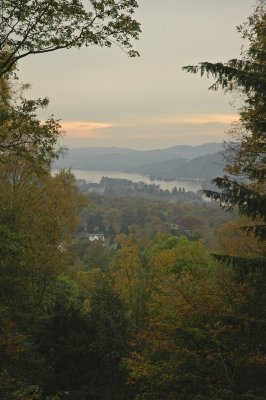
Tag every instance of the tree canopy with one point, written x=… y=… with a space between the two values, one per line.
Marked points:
x=40 y=26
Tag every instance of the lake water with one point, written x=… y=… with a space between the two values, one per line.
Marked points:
x=95 y=177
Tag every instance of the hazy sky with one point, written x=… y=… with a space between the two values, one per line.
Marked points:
x=105 y=98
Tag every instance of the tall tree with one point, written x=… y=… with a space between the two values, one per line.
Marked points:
x=130 y=278
x=244 y=187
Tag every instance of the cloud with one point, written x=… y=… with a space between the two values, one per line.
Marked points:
x=84 y=129
x=149 y=131
x=198 y=119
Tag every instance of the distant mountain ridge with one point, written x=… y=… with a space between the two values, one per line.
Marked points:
x=204 y=167
x=184 y=161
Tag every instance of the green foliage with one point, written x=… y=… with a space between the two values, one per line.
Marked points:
x=37 y=215
x=86 y=347
x=108 y=316
x=250 y=203
x=162 y=243
x=33 y=27
x=143 y=219
x=96 y=255
x=23 y=135
x=200 y=341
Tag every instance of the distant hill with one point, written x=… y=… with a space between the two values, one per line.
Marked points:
x=204 y=167
x=197 y=151
x=186 y=162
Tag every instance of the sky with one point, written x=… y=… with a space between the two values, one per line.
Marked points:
x=105 y=98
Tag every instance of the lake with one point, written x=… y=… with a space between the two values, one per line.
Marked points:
x=95 y=177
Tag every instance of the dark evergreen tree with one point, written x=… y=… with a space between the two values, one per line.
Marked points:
x=244 y=184
x=243 y=187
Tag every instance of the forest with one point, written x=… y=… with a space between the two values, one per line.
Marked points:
x=170 y=302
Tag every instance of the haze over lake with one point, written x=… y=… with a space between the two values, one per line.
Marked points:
x=95 y=177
